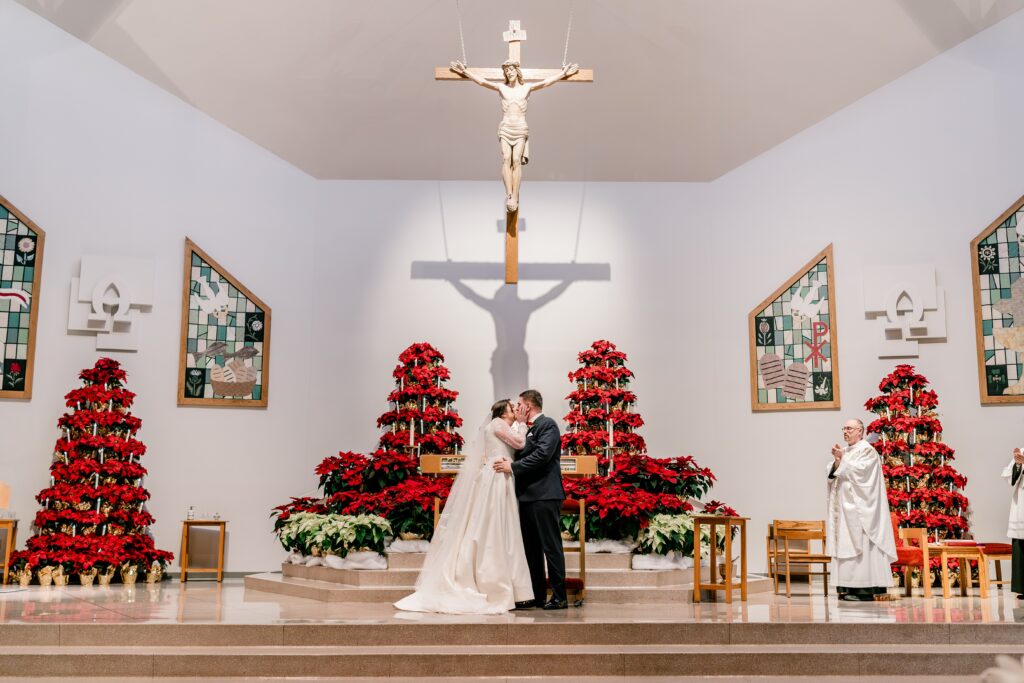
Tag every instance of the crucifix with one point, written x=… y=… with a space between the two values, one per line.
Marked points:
x=514 y=86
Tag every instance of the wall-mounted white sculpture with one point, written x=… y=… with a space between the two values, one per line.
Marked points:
x=106 y=299
x=908 y=307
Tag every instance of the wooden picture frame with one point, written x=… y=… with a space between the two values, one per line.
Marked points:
x=22 y=244
x=205 y=377
x=997 y=265
x=774 y=316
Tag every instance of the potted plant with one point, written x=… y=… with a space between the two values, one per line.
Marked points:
x=22 y=568
x=157 y=565
x=351 y=541
x=85 y=564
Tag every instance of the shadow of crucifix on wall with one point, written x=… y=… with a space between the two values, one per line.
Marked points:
x=510 y=363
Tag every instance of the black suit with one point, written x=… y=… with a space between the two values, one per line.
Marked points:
x=538 y=472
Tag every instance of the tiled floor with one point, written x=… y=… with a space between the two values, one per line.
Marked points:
x=229 y=603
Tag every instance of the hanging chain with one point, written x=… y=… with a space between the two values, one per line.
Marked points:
x=462 y=39
x=568 y=32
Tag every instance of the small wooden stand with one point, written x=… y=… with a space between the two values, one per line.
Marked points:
x=963 y=553
x=715 y=521
x=186 y=527
x=11 y=527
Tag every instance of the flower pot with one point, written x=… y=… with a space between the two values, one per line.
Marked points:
x=105 y=577
x=566 y=536
x=45 y=575
x=155 y=573
x=24 y=577
x=59 y=577
x=410 y=536
x=129 y=574
x=87 y=577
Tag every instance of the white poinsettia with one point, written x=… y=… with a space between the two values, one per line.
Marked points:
x=667 y=533
x=333 y=534
x=1010 y=670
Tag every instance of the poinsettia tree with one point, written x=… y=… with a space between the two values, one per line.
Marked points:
x=421 y=419
x=924 y=488
x=602 y=419
x=632 y=486
x=94 y=510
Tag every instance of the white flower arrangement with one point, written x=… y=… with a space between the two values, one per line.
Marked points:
x=313 y=534
x=674 y=533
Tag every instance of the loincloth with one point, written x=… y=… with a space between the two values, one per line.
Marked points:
x=513 y=132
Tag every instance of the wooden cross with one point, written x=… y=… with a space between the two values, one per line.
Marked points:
x=513 y=36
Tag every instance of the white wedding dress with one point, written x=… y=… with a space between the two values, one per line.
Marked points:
x=476 y=563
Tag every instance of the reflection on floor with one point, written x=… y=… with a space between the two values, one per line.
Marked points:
x=205 y=630
x=230 y=603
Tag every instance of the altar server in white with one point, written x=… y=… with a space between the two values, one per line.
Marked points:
x=860 y=537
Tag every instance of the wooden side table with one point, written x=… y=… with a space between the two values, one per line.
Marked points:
x=11 y=526
x=715 y=521
x=186 y=527
x=963 y=553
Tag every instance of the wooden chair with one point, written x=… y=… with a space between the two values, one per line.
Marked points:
x=574 y=585
x=787 y=530
x=997 y=552
x=911 y=556
x=772 y=551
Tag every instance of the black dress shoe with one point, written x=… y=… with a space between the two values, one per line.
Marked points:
x=556 y=604
x=526 y=604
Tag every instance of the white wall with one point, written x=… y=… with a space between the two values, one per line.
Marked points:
x=106 y=162
x=909 y=174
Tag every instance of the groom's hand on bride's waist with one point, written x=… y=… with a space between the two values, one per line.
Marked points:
x=502 y=465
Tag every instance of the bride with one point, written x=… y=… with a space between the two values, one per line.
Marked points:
x=476 y=563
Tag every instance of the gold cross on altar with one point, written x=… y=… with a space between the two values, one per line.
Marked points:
x=514 y=36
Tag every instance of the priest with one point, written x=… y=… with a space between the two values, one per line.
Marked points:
x=860 y=537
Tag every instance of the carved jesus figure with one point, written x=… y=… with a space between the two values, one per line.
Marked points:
x=513 y=133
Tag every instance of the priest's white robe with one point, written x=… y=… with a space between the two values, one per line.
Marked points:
x=859 y=529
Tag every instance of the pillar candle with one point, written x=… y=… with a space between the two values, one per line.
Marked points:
x=412 y=432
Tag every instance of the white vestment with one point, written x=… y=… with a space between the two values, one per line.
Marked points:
x=860 y=537
x=476 y=563
x=1016 y=526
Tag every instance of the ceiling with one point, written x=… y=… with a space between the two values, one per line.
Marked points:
x=684 y=90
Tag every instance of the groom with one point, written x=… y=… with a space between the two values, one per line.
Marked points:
x=538 y=474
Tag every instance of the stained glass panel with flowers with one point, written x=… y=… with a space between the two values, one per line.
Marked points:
x=997 y=260
x=21 y=247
